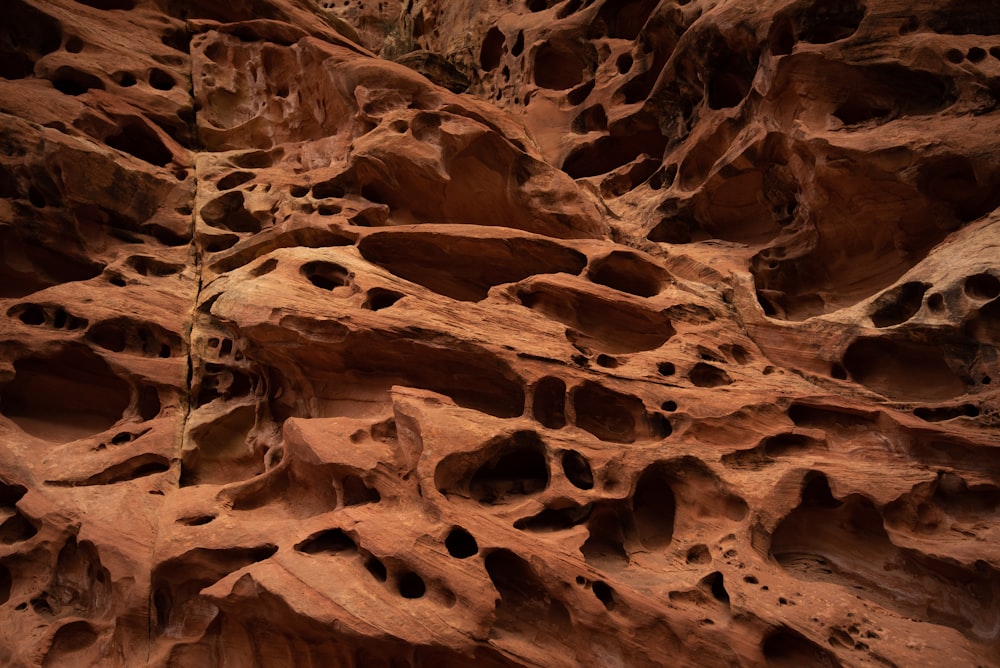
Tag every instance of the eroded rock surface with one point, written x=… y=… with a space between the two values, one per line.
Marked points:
x=669 y=341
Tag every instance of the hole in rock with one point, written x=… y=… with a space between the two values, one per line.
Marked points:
x=982 y=286
x=607 y=361
x=698 y=554
x=411 y=585
x=26 y=34
x=127 y=335
x=600 y=321
x=549 y=402
x=782 y=445
x=377 y=569
x=823 y=21
x=570 y=8
x=856 y=109
x=16 y=528
x=965 y=17
x=131 y=469
x=727 y=89
x=27 y=266
x=659 y=426
x=72 y=394
x=848 y=545
x=666 y=368
x=902 y=370
x=706 y=375
x=227 y=212
x=577 y=469
x=160 y=80
x=954 y=180
x=149 y=266
x=985 y=327
x=71 y=81
x=608 y=415
x=6 y=583
x=356 y=492
x=109 y=4
x=540 y=5
x=330 y=541
x=10 y=494
x=465 y=268
x=627 y=139
x=519 y=469
x=938 y=506
x=663 y=178
x=624 y=20
x=785 y=648
x=80 y=585
x=673 y=230
x=624 y=63
x=525 y=606
x=222 y=455
x=178 y=39
x=976 y=54
x=946 y=412
x=604 y=546
x=628 y=272
x=36 y=197
x=234 y=179
x=653 y=507
x=899 y=304
x=74 y=44
x=555 y=519
x=471 y=376
x=328 y=189
x=492 y=49
x=605 y=594
x=591 y=119
x=460 y=543
x=232 y=12
x=326 y=275
x=136 y=138
x=177 y=582
x=196 y=521
x=29 y=314
x=379 y=298
x=579 y=94
x=69 y=639
x=257 y=159
x=816 y=492
x=660 y=38
x=730 y=68
x=717 y=585
x=560 y=63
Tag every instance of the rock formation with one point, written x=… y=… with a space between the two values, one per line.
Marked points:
x=592 y=332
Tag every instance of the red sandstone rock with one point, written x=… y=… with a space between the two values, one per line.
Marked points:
x=668 y=342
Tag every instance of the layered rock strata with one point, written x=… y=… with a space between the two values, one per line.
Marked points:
x=564 y=333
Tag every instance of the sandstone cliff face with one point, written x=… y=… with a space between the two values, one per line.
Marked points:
x=669 y=341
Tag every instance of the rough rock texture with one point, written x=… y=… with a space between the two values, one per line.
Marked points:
x=668 y=342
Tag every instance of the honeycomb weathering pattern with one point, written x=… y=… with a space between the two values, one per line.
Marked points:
x=672 y=340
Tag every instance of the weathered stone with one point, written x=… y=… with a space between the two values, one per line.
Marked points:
x=670 y=341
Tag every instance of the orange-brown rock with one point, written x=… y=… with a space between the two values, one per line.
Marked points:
x=531 y=333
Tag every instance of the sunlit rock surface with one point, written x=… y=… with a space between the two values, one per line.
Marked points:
x=499 y=333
